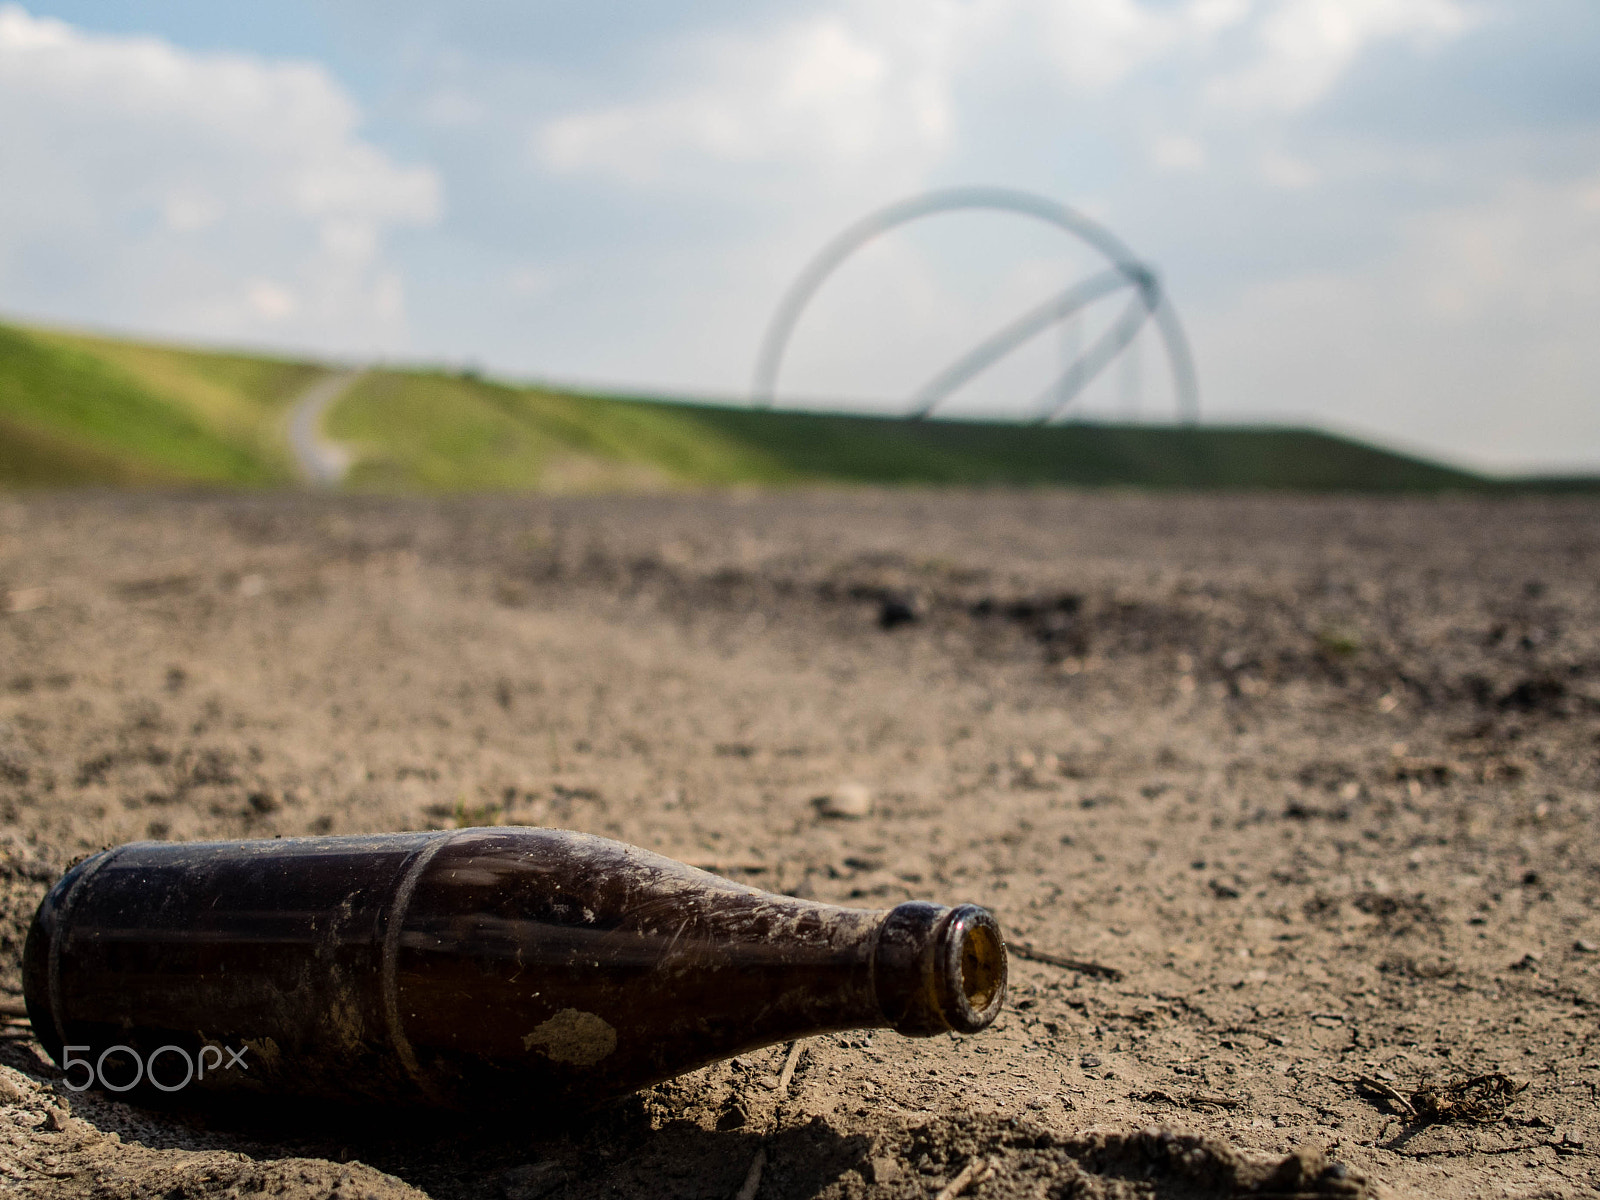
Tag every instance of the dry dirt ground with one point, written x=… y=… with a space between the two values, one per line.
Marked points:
x=1318 y=779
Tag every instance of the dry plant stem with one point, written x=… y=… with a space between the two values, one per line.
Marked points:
x=975 y=1171
x=1196 y=1100
x=1098 y=970
x=786 y=1076
x=752 y=1179
x=1201 y=1099
x=1376 y=1087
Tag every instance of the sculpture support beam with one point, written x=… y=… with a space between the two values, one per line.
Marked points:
x=1152 y=301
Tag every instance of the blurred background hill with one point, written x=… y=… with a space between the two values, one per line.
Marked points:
x=79 y=409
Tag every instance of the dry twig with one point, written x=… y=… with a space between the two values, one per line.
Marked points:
x=752 y=1179
x=786 y=1076
x=1197 y=1100
x=1033 y=953
x=1377 y=1089
x=976 y=1171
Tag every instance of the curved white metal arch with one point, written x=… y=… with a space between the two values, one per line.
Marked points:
x=1152 y=300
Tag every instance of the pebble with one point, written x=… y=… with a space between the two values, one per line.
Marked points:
x=24 y=599
x=1585 y=946
x=896 y=611
x=850 y=800
x=883 y=1169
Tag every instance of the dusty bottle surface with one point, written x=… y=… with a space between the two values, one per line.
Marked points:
x=465 y=968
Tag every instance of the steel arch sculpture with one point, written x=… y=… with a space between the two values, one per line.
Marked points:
x=1126 y=271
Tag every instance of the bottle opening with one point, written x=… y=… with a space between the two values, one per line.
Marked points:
x=983 y=966
x=939 y=969
x=976 y=964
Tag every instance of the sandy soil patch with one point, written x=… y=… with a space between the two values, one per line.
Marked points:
x=1310 y=787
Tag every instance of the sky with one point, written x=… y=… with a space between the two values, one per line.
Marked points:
x=1380 y=217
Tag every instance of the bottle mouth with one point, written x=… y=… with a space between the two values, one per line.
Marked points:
x=974 y=974
x=940 y=970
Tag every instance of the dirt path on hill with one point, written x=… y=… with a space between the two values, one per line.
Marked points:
x=320 y=461
x=1318 y=780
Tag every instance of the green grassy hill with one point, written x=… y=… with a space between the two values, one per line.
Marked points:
x=78 y=409
x=436 y=431
x=961 y=452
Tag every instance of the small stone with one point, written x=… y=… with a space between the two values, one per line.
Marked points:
x=895 y=611
x=24 y=599
x=883 y=1169
x=263 y=802
x=849 y=800
x=1585 y=946
x=1089 y=1061
x=531 y=1181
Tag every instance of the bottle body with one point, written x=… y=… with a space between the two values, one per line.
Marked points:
x=466 y=968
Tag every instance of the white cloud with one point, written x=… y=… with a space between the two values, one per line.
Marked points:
x=452 y=108
x=188 y=209
x=1302 y=47
x=221 y=195
x=865 y=88
x=270 y=301
x=1475 y=337
x=876 y=85
x=1286 y=172
x=1175 y=152
x=1095 y=44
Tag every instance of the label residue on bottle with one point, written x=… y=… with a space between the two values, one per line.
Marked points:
x=578 y=1038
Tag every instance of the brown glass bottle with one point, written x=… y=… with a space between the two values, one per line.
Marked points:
x=465 y=968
